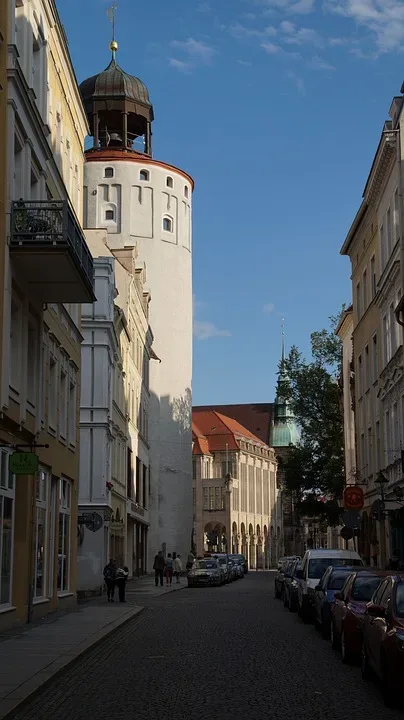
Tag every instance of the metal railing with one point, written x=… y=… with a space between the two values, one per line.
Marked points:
x=53 y=223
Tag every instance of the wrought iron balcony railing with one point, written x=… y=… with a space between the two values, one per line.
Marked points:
x=52 y=223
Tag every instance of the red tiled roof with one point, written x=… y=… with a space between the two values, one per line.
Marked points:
x=255 y=417
x=218 y=432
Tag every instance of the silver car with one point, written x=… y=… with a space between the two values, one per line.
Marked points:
x=223 y=561
x=205 y=572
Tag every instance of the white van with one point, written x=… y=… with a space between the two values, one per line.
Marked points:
x=314 y=565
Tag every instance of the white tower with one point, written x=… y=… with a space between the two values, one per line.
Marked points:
x=145 y=202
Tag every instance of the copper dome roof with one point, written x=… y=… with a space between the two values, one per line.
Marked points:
x=113 y=82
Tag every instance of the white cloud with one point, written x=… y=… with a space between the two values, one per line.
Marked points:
x=180 y=65
x=268 y=308
x=196 y=51
x=293 y=7
x=203 y=7
x=298 y=82
x=246 y=63
x=317 y=63
x=204 y=330
x=383 y=18
x=337 y=41
x=271 y=49
x=241 y=31
x=301 y=36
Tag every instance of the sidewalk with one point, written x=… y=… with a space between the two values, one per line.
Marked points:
x=31 y=655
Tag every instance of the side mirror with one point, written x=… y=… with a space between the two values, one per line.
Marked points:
x=318 y=588
x=375 y=610
x=338 y=596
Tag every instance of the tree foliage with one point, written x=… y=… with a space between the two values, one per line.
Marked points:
x=314 y=470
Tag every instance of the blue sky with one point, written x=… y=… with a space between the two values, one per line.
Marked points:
x=275 y=107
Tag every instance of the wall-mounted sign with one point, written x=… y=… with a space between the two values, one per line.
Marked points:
x=92 y=520
x=24 y=463
x=353 y=498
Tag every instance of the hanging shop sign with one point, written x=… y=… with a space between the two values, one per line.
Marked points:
x=347 y=533
x=353 y=498
x=24 y=463
x=92 y=520
x=351 y=518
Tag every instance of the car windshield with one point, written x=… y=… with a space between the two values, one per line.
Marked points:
x=337 y=579
x=206 y=565
x=364 y=588
x=318 y=566
x=297 y=568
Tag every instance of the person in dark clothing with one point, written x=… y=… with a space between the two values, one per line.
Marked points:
x=158 y=567
x=169 y=569
x=394 y=562
x=120 y=581
x=109 y=579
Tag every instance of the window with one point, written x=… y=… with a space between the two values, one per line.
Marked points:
x=386 y=340
x=167 y=224
x=365 y=290
x=41 y=530
x=169 y=182
x=63 y=404
x=375 y=359
x=64 y=535
x=205 y=498
x=358 y=300
x=144 y=175
x=109 y=172
x=211 y=498
x=53 y=389
x=72 y=408
x=367 y=368
x=109 y=214
x=218 y=502
x=186 y=191
x=373 y=276
x=370 y=451
x=15 y=343
x=7 y=497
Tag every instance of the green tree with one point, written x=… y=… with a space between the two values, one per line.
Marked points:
x=314 y=470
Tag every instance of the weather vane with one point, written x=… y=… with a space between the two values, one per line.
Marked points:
x=111 y=12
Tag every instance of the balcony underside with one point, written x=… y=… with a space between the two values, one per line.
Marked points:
x=52 y=273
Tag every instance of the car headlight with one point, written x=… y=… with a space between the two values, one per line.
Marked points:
x=400 y=641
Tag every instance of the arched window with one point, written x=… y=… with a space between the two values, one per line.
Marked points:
x=186 y=191
x=167 y=224
x=109 y=215
x=169 y=182
x=109 y=172
x=144 y=175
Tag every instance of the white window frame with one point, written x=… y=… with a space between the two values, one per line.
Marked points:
x=7 y=492
x=171 y=221
x=42 y=503
x=65 y=510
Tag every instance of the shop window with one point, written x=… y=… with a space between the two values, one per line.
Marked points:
x=7 y=499
x=41 y=534
x=64 y=535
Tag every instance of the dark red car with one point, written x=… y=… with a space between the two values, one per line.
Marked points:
x=348 y=610
x=383 y=638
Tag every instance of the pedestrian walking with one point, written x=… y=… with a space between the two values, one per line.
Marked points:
x=109 y=579
x=177 y=568
x=169 y=569
x=120 y=582
x=158 y=567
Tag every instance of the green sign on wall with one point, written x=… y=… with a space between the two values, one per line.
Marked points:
x=24 y=463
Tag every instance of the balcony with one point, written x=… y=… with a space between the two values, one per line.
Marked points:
x=48 y=247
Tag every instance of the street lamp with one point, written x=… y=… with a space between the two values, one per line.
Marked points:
x=382 y=481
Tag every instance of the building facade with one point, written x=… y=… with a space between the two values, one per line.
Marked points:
x=114 y=457
x=237 y=504
x=46 y=272
x=147 y=202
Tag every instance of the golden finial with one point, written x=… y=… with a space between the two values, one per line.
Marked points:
x=111 y=15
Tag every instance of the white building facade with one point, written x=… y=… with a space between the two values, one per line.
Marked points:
x=142 y=201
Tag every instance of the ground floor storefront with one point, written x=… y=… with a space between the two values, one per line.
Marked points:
x=137 y=545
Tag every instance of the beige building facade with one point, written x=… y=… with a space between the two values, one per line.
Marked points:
x=237 y=503
x=47 y=273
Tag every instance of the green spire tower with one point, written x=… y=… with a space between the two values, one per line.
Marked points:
x=284 y=430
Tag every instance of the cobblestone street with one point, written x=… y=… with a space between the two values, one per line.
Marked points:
x=229 y=652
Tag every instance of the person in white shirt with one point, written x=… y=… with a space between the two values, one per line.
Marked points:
x=178 y=568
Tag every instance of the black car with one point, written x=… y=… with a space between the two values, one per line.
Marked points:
x=280 y=575
x=324 y=595
x=290 y=584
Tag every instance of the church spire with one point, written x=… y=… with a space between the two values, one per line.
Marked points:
x=284 y=429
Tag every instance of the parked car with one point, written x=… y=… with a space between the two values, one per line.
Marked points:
x=239 y=565
x=383 y=638
x=348 y=611
x=223 y=560
x=205 y=572
x=243 y=561
x=324 y=596
x=290 y=584
x=233 y=569
x=280 y=576
x=315 y=563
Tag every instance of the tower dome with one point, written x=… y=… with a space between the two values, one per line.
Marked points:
x=118 y=108
x=284 y=430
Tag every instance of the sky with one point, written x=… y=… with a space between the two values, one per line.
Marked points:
x=275 y=107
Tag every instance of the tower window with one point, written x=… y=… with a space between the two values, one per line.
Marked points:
x=169 y=182
x=109 y=214
x=167 y=224
x=186 y=191
x=109 y=172
x=144 y=175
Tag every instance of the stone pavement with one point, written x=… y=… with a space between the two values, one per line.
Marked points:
x=31 y=655
x=230 y=652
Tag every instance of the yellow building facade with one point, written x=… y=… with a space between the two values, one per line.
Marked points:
x=47 y=274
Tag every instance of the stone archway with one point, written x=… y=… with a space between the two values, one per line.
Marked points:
x=251 y=543
x=234 y=538
x=214 y=537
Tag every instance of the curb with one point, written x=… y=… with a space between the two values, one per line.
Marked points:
x=28 y=690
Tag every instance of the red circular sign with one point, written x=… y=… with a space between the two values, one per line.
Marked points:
x=353 y=498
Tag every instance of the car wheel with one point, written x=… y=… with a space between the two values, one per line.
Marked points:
x=365 y=668
x=346 y=655
x=333 y=637
x=325 y=627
